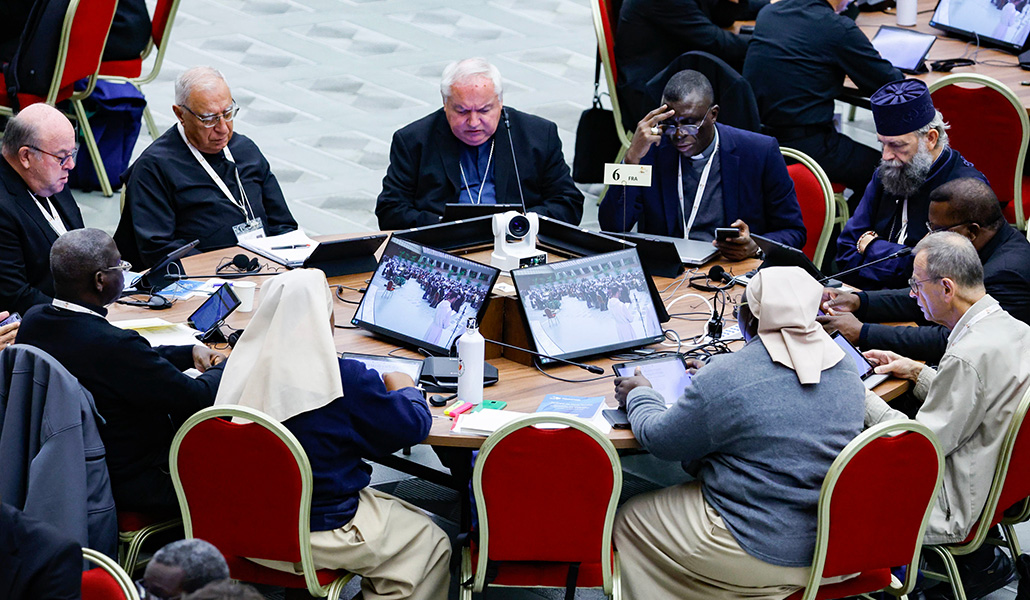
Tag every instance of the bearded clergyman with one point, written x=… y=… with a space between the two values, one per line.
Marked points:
x=893 y=212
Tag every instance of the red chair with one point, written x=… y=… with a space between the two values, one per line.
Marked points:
x=1007 y=502
x=246 y=488
x=546 y=500
x=131 y=71
x=107 y=581
x=989 y=126
x=604 y=15
x=134 y=529
x=83 y=37
x=815 y=195
x=865 y=525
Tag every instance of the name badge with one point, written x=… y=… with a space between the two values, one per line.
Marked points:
x=250 y=229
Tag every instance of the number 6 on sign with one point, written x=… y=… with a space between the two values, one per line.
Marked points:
x=619 y=174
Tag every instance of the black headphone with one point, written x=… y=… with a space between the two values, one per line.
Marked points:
x=242 y=263
x=154 y=302
x=717 y=274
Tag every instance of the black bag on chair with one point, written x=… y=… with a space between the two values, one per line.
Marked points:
x=596 y=139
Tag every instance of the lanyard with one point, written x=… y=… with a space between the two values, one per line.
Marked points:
x=701 y=185
x=51 y=217
x=976 y=319
x=243 y=205
x=76 y=308
x=482 y=177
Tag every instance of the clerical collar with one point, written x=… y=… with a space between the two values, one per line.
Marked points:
x=81 y=307
x=707 y=152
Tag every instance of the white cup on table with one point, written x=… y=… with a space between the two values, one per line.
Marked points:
x=245 y=291
x=906 y=12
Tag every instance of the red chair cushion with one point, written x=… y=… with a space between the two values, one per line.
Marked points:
x=27 y=99
x=813 y=204
x=134 y=521
x=838 y=188
x=122 y=68
x=251 y=572
x=98 y=584
x=863 y=584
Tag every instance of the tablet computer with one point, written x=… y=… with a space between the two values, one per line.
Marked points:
x=870 y=378
x=388 y=364
x=214 y=310
x=667 y=374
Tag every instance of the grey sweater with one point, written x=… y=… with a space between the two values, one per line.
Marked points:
x=759 y=442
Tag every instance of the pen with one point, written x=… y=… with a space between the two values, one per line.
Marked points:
x=291 y=247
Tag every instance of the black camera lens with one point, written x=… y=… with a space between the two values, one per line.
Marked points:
x=518 y=226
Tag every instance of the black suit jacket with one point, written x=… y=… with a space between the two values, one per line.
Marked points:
x=1006 y=261
x=36 y=561
x=423 y=175
x=25 y=240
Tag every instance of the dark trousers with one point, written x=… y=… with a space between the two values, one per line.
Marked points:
x=150 y=492
x=844 y=160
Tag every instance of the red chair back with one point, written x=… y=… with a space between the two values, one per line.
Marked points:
x=987 y=130
x=609 y=16
x=813 y=205
x=90 y=27
x=98 y=584
x=241 y=490
x=865 y=525
x=162 y=12
x=547 y=495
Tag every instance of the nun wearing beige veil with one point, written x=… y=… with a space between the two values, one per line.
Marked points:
x=757 y=429
x=285 y=365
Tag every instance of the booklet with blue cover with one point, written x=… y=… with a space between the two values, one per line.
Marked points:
x=577 y=406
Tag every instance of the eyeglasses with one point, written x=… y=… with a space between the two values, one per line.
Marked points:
x=145 y=594
x=914 y=285
x=931 y=229
x=691 y=129
x=122 y=265
x=209 y=121
x=62 y=160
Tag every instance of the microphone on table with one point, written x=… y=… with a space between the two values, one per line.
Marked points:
x=592 y=368
x=903 y=252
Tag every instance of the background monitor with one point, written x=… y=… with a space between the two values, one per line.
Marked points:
x=423 y=296
x=589 y=305
x=1001 y=23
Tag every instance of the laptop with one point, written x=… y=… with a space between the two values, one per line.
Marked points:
x=691 y=252
x=870 y=378
x=903 y=48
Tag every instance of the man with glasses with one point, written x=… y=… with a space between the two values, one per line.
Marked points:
x=966 y=206
x=892 y=213
x=968 y=400
x=706 y=175
x=141 y=391
x=200 y=181
x=35 y=208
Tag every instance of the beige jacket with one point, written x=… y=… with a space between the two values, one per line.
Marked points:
x=968 y=402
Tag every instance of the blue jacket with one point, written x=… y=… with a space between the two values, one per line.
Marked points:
x=756 y=188
x=53 y=459
x=366 y=422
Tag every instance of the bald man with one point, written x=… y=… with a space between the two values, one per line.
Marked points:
x=35 y=208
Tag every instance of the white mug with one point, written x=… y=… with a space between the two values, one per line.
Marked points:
x=906 y=12
x=245 y=292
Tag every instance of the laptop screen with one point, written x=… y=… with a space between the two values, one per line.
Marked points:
x=587 y=306
x=424 y=296
x=1003 y=23
x=903 y=48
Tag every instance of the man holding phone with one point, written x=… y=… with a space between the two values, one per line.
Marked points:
x=707 y=177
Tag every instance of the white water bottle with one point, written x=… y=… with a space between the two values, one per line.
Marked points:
x=471 y=348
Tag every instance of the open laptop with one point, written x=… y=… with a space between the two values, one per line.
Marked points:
x=903 y=48
x=692 y=252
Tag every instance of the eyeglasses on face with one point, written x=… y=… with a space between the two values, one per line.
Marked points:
x=62 y=160
x=122 y=265
x=913 y=284
x=930 y=228
x=209 y=121
x=691 y=129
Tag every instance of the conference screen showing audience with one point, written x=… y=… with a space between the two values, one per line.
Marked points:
x=1004 y=21
x=424 y=297
x=588 y=305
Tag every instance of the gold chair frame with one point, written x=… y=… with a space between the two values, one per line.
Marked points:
x=828 y=196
